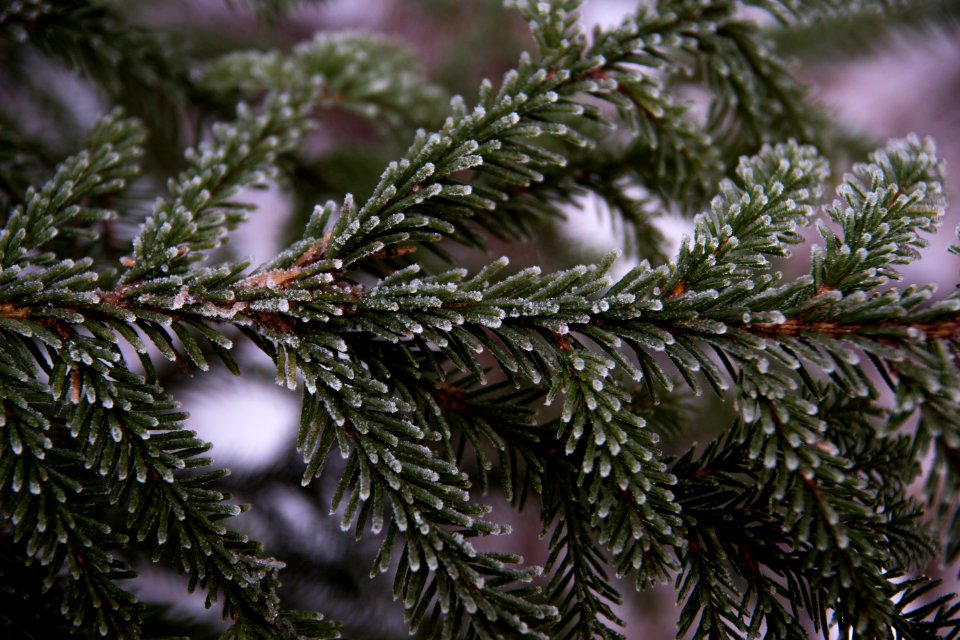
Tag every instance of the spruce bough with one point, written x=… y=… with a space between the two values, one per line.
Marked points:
x=431 y=382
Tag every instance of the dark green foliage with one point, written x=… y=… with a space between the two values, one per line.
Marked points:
x=435 y=384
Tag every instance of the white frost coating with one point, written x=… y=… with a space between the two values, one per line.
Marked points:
x=426 y=170
x=605 y=468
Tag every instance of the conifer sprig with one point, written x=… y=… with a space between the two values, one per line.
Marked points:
x=395 y=482
x=813 y=567
x=65 y=205
x=71 y=387
x=884 y=207
x=534 y=100
x=799 y=511
x=200 y=213
x=541 y=311
x=53 y=518
x=579 y=577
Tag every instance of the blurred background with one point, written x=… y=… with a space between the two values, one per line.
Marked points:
x=878 y=81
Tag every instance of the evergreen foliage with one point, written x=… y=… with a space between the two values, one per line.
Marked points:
x=435 y=383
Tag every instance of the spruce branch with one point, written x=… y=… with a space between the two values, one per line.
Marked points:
x=200 y=212
x=371 y=76
x=117 y=424
x=528 y=104
x=389 y=468
x=629 y=491
x=489 y=415
x=107 y=165
x=526 y=300
x=129 y=431
x=55 y=522
x=531 y=309
x=799 y=511
x=132 y=424
x=579 y=579
x=885 y=205
x=813 y=565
